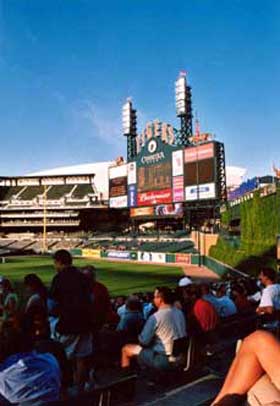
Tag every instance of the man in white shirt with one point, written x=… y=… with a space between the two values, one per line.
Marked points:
x=270 y=300
x=156 y=341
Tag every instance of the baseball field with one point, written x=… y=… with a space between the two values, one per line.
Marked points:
x=119 y=277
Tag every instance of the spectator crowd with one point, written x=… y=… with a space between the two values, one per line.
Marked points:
x=58 y=337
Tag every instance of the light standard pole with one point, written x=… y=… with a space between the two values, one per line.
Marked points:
x=45 y=220
x=197 y=197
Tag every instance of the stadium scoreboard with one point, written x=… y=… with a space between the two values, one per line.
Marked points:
x=164 y=177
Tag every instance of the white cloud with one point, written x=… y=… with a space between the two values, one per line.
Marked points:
x=102 y=124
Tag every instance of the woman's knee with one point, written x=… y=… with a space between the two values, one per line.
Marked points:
x=258 y=341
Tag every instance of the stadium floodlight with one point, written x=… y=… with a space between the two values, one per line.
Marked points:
x=127 y=117
x=181 y=96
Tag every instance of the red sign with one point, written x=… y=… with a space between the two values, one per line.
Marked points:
x=178 y=189
x=186 y=258
x=199 y=153
x=155 y=197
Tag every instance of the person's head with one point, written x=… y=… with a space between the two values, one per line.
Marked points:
x=62 y=260
x=34 y=284
x=6 y=285
x=221 y=291
x=204 y=288
x=163 y=296
x=133 y=304
x=267 y=276
x=238 y=291
x=90 y=273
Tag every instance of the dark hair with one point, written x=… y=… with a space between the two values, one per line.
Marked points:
x=6 y=284
x=165 y=294
x=36 y=284
x=133 y=304
x=64 y=257
x=204 y=287
x=269 y=273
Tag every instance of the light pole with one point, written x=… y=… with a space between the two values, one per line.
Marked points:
x=197 y=198
x=45 y=220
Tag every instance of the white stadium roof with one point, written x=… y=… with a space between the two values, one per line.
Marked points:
x=235 y=175
x=99 y=169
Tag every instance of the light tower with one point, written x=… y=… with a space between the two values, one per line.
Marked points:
x=129 y=125
x=183 y=97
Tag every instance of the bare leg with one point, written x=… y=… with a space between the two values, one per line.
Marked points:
x=259 y=353
x=129 y=351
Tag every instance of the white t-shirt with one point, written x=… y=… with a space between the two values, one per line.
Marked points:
x=271 y=296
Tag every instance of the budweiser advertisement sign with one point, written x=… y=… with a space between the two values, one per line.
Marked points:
x=155 y=197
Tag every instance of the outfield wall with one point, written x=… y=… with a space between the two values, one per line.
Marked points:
x=159 y=258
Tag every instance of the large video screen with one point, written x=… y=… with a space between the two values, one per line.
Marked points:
x=118 y=186
x=154 y=177
x=199 y=172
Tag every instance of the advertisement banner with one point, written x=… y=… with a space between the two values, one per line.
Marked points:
x=177 y=163
x=118 y=202
x=132 y=196
x=142 y=211
x=155 y=197
x=117 y=171
x=178 y=189
x=118 y=254
x=186 y=258
x=145 y=256
x=92 y=253
x=176 y=209
x=118 y=187
x=205 y=191
x=131 y=173
x=199 y=152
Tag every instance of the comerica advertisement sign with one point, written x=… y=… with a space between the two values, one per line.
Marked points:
x=165 y=174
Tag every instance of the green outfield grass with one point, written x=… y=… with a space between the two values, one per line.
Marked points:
x=119 y=277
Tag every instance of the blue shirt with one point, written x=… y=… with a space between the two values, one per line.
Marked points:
x=26 y=377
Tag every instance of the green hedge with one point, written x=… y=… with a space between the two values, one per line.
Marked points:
x=260 y=224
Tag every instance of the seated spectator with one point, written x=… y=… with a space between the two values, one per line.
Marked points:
x=270 y=299
x=185 y=281
x=240 y=299
x=9 y=300
x=120 y=305
x=36 y=312
x=36 y=291
x=255 y=372
x=71 y=294
x=161 y=331
x=148 y=305
x=132 y=321
x=226 y=305
x=208 y=295
x=25 y=375
x=204 y=313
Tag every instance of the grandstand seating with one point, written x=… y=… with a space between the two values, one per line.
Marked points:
x=81 y=191
x=31 y=192
x=6 y=193
x=58 y=191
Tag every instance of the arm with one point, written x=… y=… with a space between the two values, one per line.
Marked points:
x=148 y=332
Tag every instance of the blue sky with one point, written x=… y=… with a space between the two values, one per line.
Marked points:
x=66 y=67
